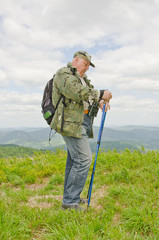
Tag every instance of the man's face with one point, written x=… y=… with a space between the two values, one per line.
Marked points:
x=82 y=66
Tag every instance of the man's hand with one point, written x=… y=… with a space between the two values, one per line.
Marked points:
x=101 y=104
x=107 y=95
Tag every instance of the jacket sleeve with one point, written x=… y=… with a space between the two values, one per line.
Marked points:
x=71 y=88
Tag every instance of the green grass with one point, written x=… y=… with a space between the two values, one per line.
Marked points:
x=124 y=202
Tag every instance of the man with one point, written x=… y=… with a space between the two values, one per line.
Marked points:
x=73 y=121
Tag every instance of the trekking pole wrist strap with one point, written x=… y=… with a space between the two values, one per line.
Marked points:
x=101 y=94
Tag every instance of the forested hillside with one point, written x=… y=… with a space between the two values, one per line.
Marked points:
x=120 y=138
x=11 y=150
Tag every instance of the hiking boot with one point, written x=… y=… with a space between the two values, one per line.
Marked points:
x=83 y=200
x=69 y=207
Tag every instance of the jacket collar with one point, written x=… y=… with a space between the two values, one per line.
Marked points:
x=74 y=70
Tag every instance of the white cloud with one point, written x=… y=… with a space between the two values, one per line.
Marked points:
x=141 y=85
x=16 y=98
x=3 y=78
x=129 y=103
x=129 y=110
x=20 y=110
x=129 y=67
x=38 y=37
x=21 y=116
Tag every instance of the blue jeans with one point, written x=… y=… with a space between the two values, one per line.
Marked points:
x=79 y=158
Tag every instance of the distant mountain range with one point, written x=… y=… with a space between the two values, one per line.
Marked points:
x=131 y=137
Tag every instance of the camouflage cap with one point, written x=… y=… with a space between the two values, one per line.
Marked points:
x=84 y=55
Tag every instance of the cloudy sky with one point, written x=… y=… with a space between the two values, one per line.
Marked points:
x=39 y=36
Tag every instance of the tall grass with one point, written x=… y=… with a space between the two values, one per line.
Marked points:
x=124 y=202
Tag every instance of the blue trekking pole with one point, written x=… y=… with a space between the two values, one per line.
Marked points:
x=98 y=144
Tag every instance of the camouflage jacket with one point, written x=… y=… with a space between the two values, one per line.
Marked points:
x=68 y=83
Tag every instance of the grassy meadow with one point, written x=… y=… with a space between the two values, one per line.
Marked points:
x=124 y=202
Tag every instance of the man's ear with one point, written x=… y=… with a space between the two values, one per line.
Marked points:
x=75 y=61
